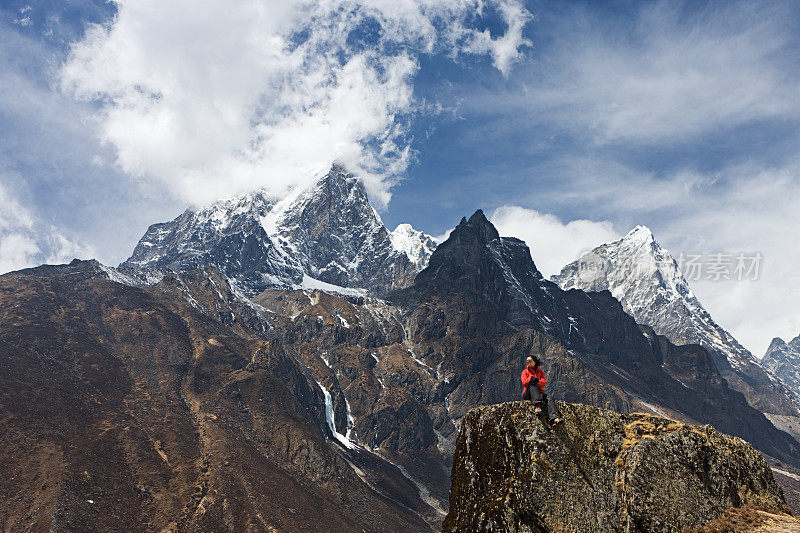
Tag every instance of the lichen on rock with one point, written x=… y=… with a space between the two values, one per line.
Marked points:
x=598 y=471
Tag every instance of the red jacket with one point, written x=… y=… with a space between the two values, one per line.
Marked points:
x=538 y=373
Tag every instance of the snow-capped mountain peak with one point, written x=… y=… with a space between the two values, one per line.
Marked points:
x=643 y=256
x=222 y=212
x=632 y=264
x=783 y=359
x=639 y=234
x=778 y=349
x=647 y=280
x=417 y=245
x=327 y=231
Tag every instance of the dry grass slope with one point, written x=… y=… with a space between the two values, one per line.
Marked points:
x=749 y=519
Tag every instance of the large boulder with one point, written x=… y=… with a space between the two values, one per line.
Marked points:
x=598 y=471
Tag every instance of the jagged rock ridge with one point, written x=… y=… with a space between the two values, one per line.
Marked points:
x=647 y=280
x=327 y=232
x=599 y=471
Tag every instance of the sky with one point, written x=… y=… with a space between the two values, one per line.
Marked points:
x=568 y=123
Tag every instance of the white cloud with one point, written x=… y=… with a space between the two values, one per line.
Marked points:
x=51 y=157
x=16 y=251
x=505 y=50
x=26 y=242
x=13 y=215
x=668 y=76
x=214 y=98
x=553 y=243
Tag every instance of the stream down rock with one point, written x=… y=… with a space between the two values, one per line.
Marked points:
x=599 y=471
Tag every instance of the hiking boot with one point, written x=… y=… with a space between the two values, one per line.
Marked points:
x=556 y=422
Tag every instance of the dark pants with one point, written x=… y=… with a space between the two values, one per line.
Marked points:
x=533 y=394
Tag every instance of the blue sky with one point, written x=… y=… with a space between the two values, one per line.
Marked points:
x=682 y=116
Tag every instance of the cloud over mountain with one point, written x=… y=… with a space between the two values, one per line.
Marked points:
x=25 y=241
x=221 y=97
x=553 y=243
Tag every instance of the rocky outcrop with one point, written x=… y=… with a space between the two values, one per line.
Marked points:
x=600 y=471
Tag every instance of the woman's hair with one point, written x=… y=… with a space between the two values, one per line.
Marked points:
x=535 y=360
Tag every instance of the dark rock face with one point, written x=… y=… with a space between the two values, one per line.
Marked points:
x=329 y=232
x=341 y=239
x=227 y=235
x=599 y=471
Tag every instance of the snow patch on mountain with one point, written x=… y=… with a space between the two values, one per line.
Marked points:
x=310 y=283
x=415 y=244
x=130 y=279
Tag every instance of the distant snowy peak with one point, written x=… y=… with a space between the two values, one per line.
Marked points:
x=783 y=359
x=647 y=280
x=780 y=351
x=224 y=212
x=639 y=233
x=328 y=231
x=777 y=348
x=417 y=245
x=187 y=240
x=631 y=268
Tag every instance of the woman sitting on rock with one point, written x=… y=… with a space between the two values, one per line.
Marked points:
x=533 y=380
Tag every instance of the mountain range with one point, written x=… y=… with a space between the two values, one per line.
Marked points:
x=296 y=347
x=328 y=232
